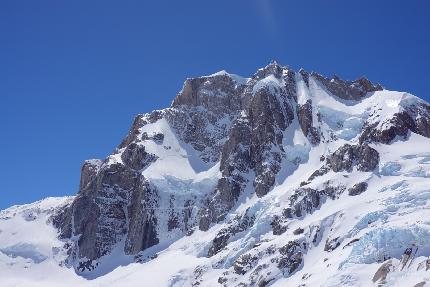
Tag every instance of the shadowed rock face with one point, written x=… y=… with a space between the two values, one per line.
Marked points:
x=254 y=141
x=291 y=257
x=239 y=224
x=269 y=117
x=218 y=94
x=306 y=200
x=348 y=90
x=203 y=110
x=348 y=156
x=141 y=231
x=109 y=208
x=304 y=113
x=136 y=157
x=242 y=124
x=345 y=158
x=414 y=119
x=89 y=171
x=357 y=189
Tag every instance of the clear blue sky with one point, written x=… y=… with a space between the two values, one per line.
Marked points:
x=74 y=73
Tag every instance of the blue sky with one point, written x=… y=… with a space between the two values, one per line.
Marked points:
x=74 y=73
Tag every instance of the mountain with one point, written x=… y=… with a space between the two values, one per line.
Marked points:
x=282 y=179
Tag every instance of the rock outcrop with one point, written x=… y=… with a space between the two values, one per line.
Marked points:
x=346 y=157
x=239 y=137
x=348 y=90
x=412 y=118
x=358 y=188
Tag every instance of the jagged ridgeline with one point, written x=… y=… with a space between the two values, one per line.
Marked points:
x=259 y=173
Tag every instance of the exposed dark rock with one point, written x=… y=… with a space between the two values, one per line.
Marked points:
x=254 y=142
x=198 y=274
x=332 y=191
x=315 y=234
x=367 y=158
x=136 y=157
x=278 y=225
x=89 y=172
x=244 y=263
x=235 y=160
x=205 y=219
x=319 y=172
x=235 y=155
x=304 y=183
x=351 y=242
x=158 y=138
x=222 y=280
x=408 y=256
x=305 y=76
x=382 y=272
x=399 y=125
x=192 y=126
x=348 y=90
x=62 y=220
x=342 y=159
x=203 y=111
x=268 y=118
x=267 y=113
x=258 y=276
x=87 y=265
x=272 y=69
x=306 y=200
x=213 y=93
x=424 y=265
x=107 y=210
x=287 y=212
x=348 y=156
x=238 y=225
x=142 y=227
x=250 y=147
x=173 y=221
x=85 y=215
x=262 y=282
x=422 y=120
x=291 y=258
x=357 y=189
x=187 y=214
x=305 y=117
x=413 y=119
x=332 y=244
x=133 y=133
x=298 y=231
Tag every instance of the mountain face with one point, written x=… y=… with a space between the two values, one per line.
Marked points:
x=282 y=179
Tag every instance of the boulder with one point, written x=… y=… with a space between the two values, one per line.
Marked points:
x=357 y=189
x=383 y=271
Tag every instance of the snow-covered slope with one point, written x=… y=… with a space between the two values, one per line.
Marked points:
x=282 y=179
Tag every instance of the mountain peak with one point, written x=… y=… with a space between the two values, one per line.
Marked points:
x=250 y=182
x=207 y=90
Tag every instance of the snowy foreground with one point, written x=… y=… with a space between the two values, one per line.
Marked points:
x=379 y=236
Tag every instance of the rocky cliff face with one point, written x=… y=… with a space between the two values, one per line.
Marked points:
x=228 y=142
